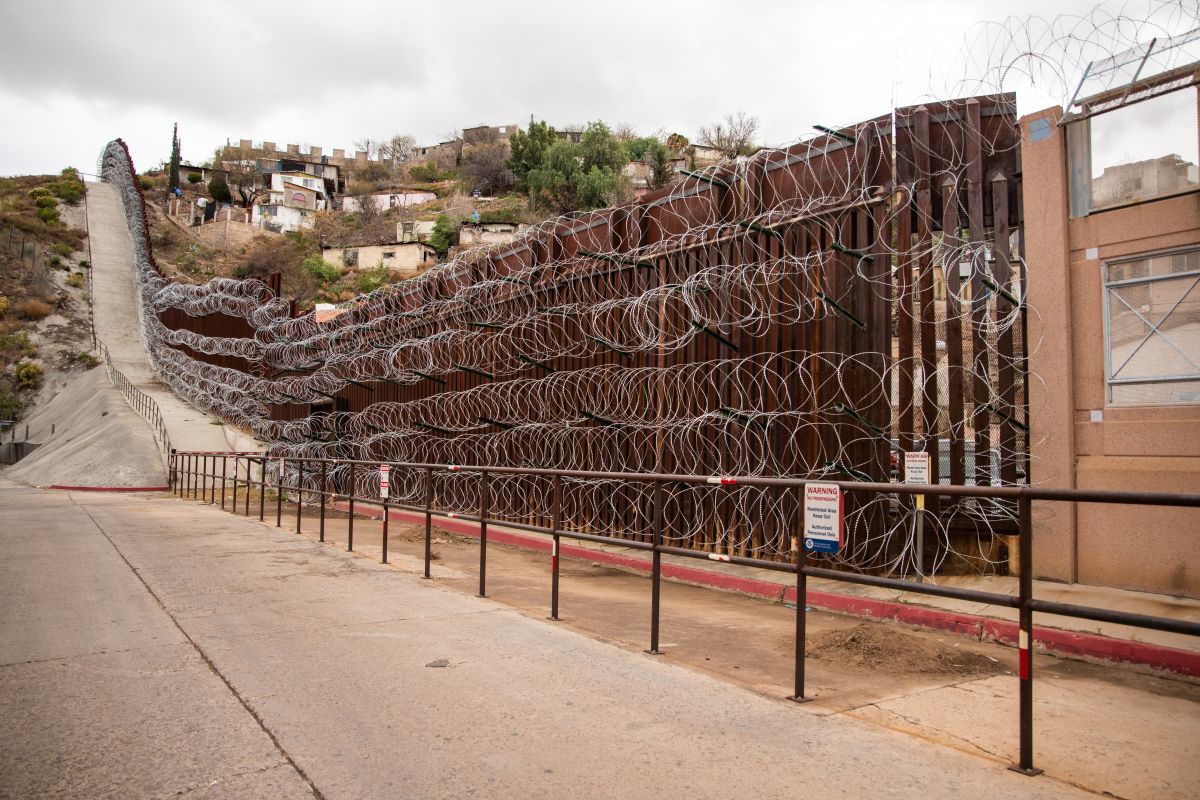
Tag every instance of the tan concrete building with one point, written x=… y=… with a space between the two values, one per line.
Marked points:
x=404 y=258
x=1112 y=232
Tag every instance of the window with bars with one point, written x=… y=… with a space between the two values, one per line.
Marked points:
x=1152 y=329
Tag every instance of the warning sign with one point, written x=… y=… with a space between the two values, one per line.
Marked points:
x=383 y=480
x=823 y=523
x=916 y=467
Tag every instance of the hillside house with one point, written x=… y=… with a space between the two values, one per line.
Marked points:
x=444 y=155
x=406 y=259
x=290 y=202
x=399 y=197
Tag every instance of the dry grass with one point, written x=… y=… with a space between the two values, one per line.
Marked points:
x=34 y=309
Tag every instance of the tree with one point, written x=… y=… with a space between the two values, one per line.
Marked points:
x=552 y=184
x=398 y=150
x=598 y=188
x=598 y=147
x=241 y=168
x=444 y=235
x=367 y=145
x=677 y=143
x=640 y=147
x=483 y=167
x=733 y=136
x=218 y=189
x=173 y=169
x=661 y=172
x=528 y=149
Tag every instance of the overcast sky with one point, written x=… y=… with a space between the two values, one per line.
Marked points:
x=76 y=73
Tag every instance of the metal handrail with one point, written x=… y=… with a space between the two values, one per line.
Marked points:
x=140 y=402
x=195 y=472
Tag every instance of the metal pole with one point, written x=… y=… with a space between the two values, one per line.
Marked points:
x=262 y=488
x=1025 y=637
x=483 y=509
x=656 y=570
x=385 y=529
x=233 y=502
x=801 y=614
x=249 y=467
x=324 y=485
x=279 y=498
x=224 y=467
x=555 y=525
x=212 y=481
x=428 y=515
x=350 y=522
x=171 y=475
x=299 y=493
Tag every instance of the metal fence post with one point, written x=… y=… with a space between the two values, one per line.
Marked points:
x=1025 y=636
x=656 y=570
x=324 y=485
x=249 y=480
x=262 y=488
x=233 y=502
x=385 y=530
x=484 y=487
x=428 y=515
x=555 y=526
x=224 y=468
x=350 y=522
x=171 y=473
x=279 y=496
x=211 y=478
x=299 y=493
x=801 y=611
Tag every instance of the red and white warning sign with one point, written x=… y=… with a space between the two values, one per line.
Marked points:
x=384 y=469
x=823 y=517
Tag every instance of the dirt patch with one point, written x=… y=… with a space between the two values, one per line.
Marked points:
x=875 y=646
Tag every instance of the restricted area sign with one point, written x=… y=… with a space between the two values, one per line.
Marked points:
x=916 y=470
x=383 y=480
x=281 y=468
x=823 y=517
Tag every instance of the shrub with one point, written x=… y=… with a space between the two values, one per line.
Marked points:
x=39 y=192
x=10 y=402
x=86 y=360
x=28 y=374
x=46 y=202
x=194 y=177
x=34 y=309
x=428 y=173
x=145 y=183
x=48 y=215
x=3 y=304
x=69 y=190
x=85 y=264
x=372 y=279
x=76 y=280
x=60 y=249
x=218 y=189
x=321 y=269
x=14 y=346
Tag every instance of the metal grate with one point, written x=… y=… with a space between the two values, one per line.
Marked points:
x=1152 y=329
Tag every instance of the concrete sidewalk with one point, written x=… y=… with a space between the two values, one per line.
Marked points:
x=150 y=647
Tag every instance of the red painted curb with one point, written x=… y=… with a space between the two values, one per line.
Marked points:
x=1053 y=640
x=110 y=488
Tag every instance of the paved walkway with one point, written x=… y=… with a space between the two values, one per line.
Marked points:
x=151 y=648
x=117 y=324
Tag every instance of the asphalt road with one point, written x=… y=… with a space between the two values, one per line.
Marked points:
x=152 y=648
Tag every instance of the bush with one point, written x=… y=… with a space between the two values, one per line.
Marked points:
x=145 y=183
x=10 y=402
x=85 y=264
x=69 y=190
x=60 y=249
x=194 y=177
x=321 y=269
x=87 y=360
x=445 y=234
x=48 y=215
x=46 y=202
x=3 y=304
x=28 y=374
x=372 y=279
x=428 y=173
x=14 y=346
x=76 y=280
x=57 y=263
x=34 y=309
x=218 y=189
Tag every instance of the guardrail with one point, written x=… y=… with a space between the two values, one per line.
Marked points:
x=195 y=472
x=140 y=402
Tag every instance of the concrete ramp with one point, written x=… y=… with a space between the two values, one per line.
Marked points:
x=89 y=436
x=118 y=325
